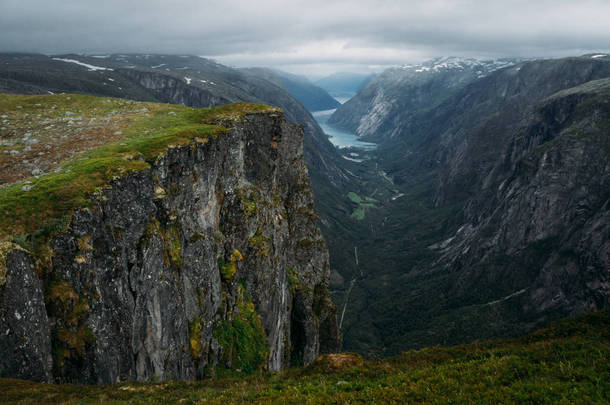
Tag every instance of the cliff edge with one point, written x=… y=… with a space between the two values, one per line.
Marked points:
x=156 y=242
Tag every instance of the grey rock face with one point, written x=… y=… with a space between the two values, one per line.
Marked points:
x=546 y=198
x=137 y=289
x=25 y=344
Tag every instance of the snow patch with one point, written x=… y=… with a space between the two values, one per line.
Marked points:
x=157 y=66
x=598 y=56
x=88 y=66
x=188 y=80
x=352 y=160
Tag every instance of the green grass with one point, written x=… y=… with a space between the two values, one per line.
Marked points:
x=364 y=203
x=564 y=364
x=146 y=131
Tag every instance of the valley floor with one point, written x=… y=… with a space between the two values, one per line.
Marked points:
x=564 y=364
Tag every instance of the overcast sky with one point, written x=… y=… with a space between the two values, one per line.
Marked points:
x=313 y=37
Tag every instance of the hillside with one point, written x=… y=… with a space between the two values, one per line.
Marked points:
x=145 y=241
x=314 y=98
x=380 y=109
x=177 y=79
x=491 y=210
x=566 y=363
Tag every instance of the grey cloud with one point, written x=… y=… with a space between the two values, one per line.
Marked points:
x=302 y=35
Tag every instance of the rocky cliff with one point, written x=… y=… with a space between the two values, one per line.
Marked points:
x=536 y=228
x=174 y=250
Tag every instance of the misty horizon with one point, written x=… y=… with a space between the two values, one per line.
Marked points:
x=311 y=38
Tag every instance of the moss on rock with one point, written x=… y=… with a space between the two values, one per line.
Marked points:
x=196 y=327
x=259 y=243
x=229 y=269
x=243 y=338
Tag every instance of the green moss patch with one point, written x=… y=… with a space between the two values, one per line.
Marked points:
x=71 y=309
x=259 y=243
x=249 y=199
x=5 y=249
x=196 y=327
x=294 y=281
x=243 y=338
x=229 y=268
x=173 y=246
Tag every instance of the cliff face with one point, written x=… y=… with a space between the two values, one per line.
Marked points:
x=538 y=223
x=208 y=259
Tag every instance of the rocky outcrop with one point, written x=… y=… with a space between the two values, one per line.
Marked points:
x=209 y=260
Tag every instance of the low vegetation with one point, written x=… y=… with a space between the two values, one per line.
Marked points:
x=80 y=143
x=564 y=364
x=59 y=151
x=243 y=339
x=362 y=204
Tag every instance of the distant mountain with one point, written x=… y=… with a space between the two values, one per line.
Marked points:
x=379 y=109
x=500 y=218
x=343 y=85
x=314 y=98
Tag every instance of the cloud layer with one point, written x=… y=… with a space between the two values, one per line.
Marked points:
x=311 y=36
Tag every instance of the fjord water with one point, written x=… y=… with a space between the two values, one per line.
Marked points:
x=339 y=137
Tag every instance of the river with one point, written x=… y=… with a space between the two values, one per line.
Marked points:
x=339 y=137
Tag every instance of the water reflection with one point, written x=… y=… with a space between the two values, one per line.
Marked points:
x=341 y=138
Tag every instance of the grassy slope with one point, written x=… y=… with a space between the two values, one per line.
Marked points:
x=140 y=133
x=566 y=363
